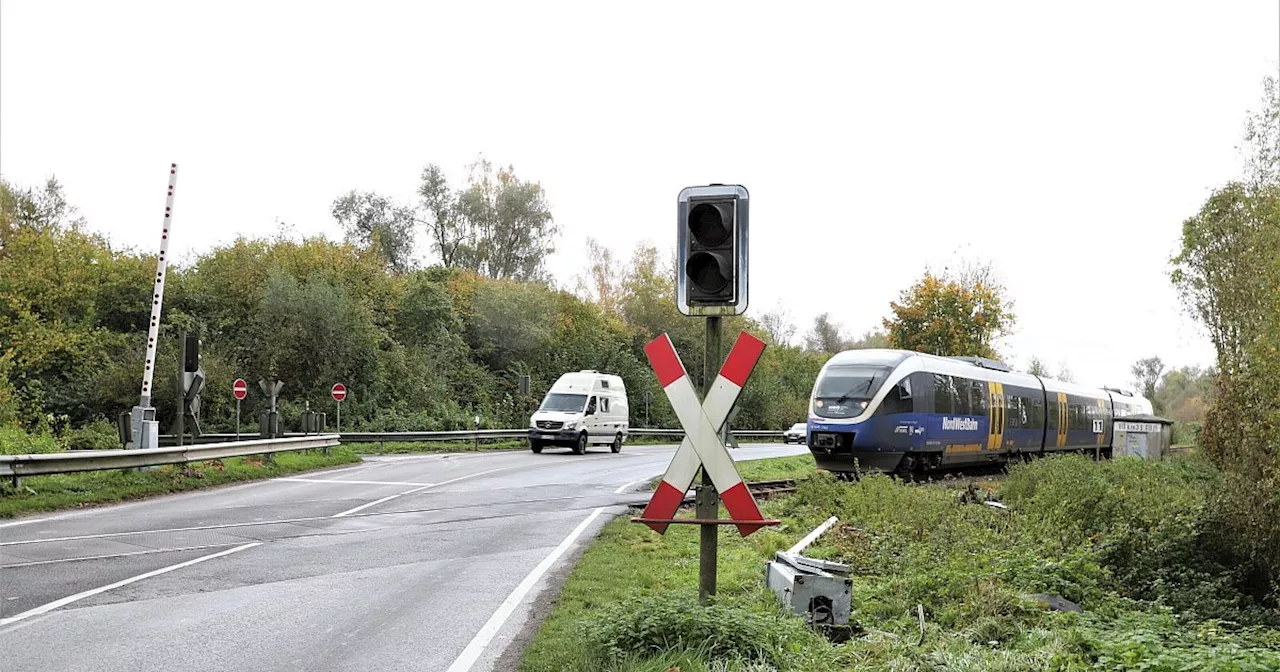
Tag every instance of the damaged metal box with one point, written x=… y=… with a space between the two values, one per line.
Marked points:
x=818 y=590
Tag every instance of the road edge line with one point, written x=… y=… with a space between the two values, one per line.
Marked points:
x=476 y=647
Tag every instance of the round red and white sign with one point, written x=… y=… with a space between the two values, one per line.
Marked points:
x=339 y=392
x=239 y=388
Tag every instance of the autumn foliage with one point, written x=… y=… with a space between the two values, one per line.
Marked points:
x=951 y=314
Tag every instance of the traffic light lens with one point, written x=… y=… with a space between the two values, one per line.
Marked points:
x=706 y=271
x=709 y=224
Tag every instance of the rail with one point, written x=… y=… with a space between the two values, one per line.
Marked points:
x=15 y=466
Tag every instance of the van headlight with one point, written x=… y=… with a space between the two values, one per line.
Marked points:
x=571 y=425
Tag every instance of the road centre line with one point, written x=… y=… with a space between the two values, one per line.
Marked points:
x=109 y=556
x=341 y=482
x=410 y=492
x=309 y=519
x=45 y=608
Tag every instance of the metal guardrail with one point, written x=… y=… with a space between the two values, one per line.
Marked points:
x=94 y=460
x=462 y=435
x=218 y=446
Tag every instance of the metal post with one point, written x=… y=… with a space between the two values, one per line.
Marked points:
x=339 y=429
x=179 y=424
x=237 y=419
x=708 y=500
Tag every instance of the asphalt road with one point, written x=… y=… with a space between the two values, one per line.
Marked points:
x=427 y=562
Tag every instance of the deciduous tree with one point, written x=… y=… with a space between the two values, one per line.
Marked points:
x=1146 y=373
x=497 y=225
x=951 y=314
x=375 y=222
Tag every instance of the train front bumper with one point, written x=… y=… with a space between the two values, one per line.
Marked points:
x=838 y=452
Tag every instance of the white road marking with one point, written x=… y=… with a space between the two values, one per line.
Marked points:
x=46 y=608
x=624 y=488
x=44 y=519
x=478 y=643
x=341 y=482
x=420 y=488
x=108 y=556
x=362 y=507
x=460 y=478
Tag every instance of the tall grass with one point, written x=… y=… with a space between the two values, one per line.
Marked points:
x=1126 y=540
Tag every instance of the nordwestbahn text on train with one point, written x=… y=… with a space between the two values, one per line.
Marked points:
x=902 y=411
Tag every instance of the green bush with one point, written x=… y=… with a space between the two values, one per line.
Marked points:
x=14 y=441
x=1155 y=527
x=97 y=435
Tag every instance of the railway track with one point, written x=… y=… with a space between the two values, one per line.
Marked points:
x=769 y=488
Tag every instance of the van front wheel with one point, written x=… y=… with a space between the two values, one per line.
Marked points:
x=580 y=447
x=535 y=446
x=616 y=446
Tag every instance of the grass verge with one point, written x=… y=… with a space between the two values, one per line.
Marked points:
x=66 y=491
x=1126 y=540
x=769 y=469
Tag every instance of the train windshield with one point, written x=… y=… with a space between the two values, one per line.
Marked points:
x=563 y=403
x=844 y=391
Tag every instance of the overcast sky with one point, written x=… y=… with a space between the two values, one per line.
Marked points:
x=1064 y=142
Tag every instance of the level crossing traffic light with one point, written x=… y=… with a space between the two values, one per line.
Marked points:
x=711 y=247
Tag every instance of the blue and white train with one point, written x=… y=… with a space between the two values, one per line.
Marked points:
x=902 y=411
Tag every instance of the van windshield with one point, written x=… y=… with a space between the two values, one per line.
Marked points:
x=563 y=403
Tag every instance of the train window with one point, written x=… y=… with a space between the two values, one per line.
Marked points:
x=922 y=385
x=978 y=397
x=960 y=392
x=1036 y=412
x=943 y=394
x=897 y=400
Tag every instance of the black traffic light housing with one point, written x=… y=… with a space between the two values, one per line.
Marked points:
x=711 y=247
x=191 y=354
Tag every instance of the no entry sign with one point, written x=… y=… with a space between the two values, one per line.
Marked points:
x=239 y=389
x=702 y=446
x=339 y=391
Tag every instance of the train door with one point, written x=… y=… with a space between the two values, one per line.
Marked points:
x=995 y=416
x=1060 y=437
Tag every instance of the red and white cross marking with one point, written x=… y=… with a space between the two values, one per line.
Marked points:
x=702 y=424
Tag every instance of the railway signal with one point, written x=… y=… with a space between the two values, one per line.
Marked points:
x=703 y=447
x=711 y=248
x=703 y=424
x=188 y=384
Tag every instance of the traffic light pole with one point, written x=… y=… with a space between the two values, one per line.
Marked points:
x=708 y=500
x=179 y=423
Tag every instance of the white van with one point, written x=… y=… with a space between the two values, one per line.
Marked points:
x=581 y=409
